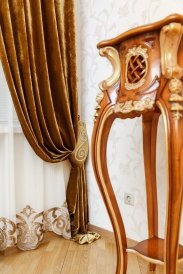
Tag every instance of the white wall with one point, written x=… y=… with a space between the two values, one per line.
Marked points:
x=98 y=20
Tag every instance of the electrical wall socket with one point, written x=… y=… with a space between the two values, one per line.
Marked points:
x=129 y=199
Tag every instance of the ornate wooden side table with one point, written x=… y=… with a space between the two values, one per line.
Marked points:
x=146 y=80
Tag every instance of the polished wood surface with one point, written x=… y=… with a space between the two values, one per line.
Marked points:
x=150 y=123
x=139 y=30
x=59 y=256
x=153 y=249
x=146 y=81
x=107 y=191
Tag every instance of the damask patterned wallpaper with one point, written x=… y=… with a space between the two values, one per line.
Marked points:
x=96 y=21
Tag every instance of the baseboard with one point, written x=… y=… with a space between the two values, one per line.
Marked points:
x=103 y=232
x=108 y=234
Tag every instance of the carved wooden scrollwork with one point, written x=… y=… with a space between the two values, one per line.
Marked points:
x=113 y=56
x=129 y=106
x=170 y=37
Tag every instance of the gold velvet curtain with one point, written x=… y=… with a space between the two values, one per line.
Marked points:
x=37 y=47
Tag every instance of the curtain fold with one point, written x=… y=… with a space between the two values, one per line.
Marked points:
x=37 y=50
x=77 y=183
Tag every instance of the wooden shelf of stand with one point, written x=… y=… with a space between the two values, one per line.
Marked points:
x=152 y=250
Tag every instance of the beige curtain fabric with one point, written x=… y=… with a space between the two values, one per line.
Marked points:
x=37 y=48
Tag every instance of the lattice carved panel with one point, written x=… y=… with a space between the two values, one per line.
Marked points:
x=136 y=67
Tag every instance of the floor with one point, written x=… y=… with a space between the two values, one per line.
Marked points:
x=56 y=255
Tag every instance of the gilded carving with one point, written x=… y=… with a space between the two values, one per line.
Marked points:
x=113 y=56
x=175 y=87
x=136 y=67
x=170 y=37
x=169 y=65
x=129 y=106
x=99 y=99
x=175 y=98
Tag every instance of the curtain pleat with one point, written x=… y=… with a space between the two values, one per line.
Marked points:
x=37 y=47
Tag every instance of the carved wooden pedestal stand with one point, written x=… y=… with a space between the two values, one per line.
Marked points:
x=147 y=80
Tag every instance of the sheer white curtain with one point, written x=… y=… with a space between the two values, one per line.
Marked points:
x=32 y=192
